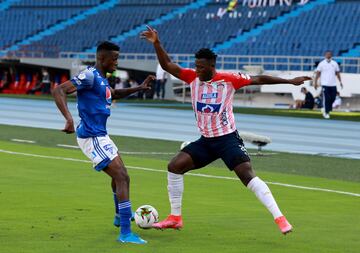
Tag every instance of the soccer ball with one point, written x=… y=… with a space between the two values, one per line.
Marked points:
x=184 y=144
x=145 y=216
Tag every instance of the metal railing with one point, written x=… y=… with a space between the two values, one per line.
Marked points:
x=21 y=54
x=281 y=63
x=231 y=62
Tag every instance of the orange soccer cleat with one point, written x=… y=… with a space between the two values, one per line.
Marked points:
x=172 y=221
x=284 y=226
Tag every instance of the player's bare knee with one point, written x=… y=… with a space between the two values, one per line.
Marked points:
x=245 y=172
x=173 y=167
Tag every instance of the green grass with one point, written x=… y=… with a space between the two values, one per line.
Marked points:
x=55 y=206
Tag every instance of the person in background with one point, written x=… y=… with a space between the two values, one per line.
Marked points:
x=45 y=82
x=327 y=71
x=118 y=85
x=161 y=79
x=5 y=81
x=38 y=84
x=308 y=102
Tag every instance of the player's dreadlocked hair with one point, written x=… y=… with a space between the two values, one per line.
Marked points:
x=205 y=53
x=107 y=46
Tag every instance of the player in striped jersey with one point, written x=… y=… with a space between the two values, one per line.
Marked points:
x=212 y=94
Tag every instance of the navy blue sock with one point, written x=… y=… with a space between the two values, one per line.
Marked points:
x=125 y=216
x=116 y=202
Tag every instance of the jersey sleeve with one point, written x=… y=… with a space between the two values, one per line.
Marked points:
x=84 y=80
x=319 y=67
x=337 y=68
x=187 y=75
x=239 y=80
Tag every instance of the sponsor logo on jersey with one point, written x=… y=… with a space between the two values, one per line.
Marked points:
x=109 y=148
x=209 y=95
x=207 y=108
x=108 y=95
x=93 y=154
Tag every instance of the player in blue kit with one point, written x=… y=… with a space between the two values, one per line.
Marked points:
x=93 y=101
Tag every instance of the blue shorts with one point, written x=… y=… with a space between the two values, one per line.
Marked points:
x=230 y=148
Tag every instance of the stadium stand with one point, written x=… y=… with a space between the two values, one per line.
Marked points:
x=5 y=4
x=53 y=29
x=85 y=34
x=242 y=32
x=19 y=22
x=185 y=26
x=332 y=26
x=204 y=29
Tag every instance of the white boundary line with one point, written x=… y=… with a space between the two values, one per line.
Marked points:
x=188 y=174
x=25 y=141
x=153 y=153
x=67 y=146
x=122 y=152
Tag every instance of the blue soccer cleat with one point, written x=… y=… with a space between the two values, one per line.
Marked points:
x=117 y=220
x=131 y=238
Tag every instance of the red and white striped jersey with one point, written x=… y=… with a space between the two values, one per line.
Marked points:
x=212 y=100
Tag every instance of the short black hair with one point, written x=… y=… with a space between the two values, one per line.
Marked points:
x=107 y=46
x=205 y=53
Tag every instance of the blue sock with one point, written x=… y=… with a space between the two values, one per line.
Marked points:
x=116 y=202
x=125 y=216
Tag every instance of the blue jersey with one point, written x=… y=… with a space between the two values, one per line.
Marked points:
x=93 y=103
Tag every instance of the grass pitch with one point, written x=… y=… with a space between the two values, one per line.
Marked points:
x=57 y=205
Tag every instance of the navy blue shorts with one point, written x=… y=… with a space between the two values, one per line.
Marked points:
x=230 y=148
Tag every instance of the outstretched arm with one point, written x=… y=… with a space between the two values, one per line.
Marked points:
x=121 y=93
x=263 y=79
x=60 y=93
x=152 y=36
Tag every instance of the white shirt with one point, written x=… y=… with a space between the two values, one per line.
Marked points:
x=328 y=72
x=160 y=73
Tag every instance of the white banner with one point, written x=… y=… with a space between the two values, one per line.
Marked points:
x=264 y=3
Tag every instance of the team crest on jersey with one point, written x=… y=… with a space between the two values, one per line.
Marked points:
x=108 y=95
x=209 y=95
x=82 y=76
x=207 y=108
